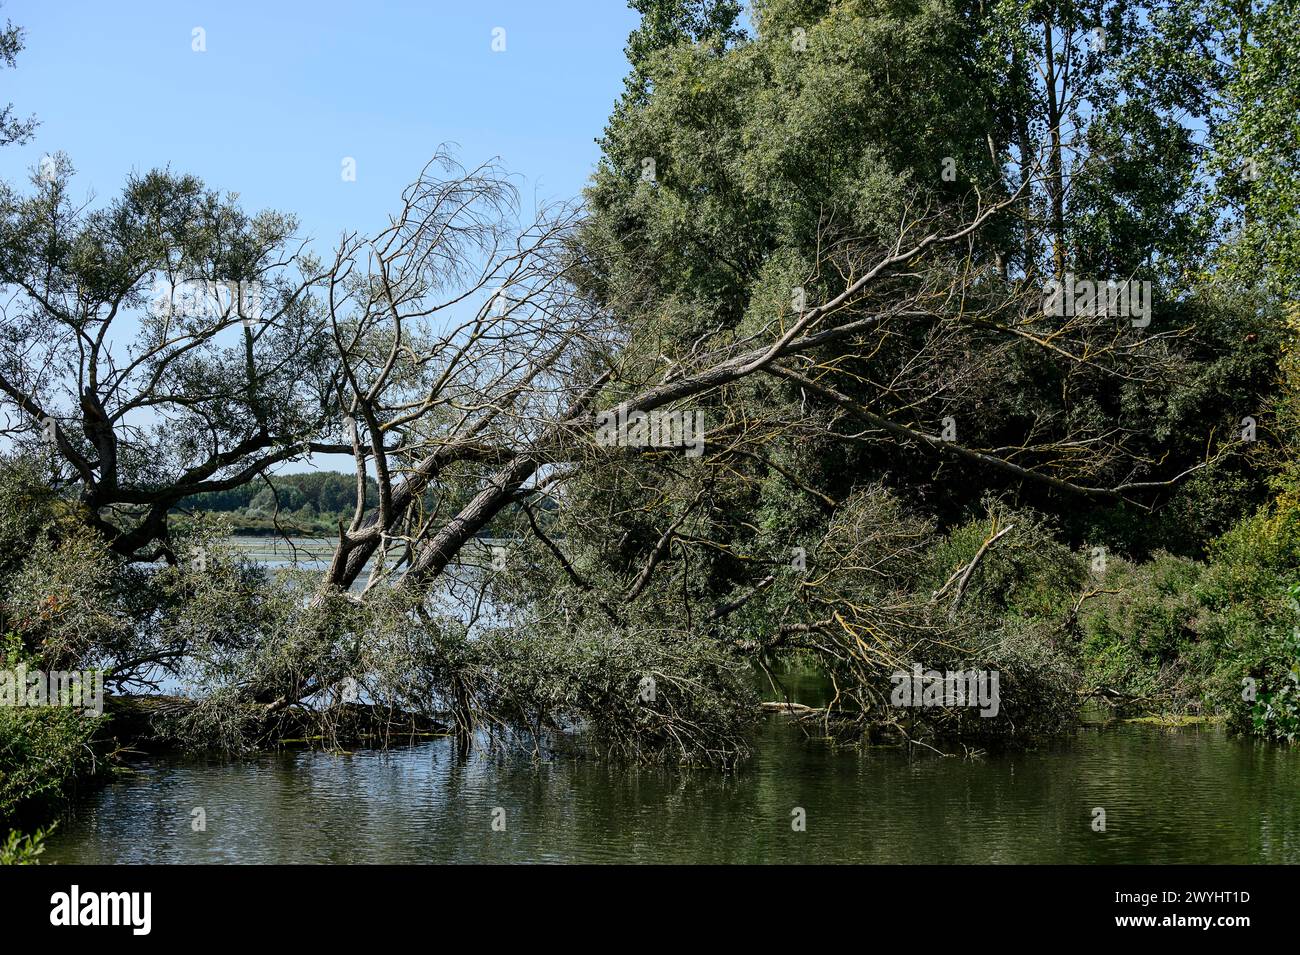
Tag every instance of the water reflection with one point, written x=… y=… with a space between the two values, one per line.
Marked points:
x=1190 y=795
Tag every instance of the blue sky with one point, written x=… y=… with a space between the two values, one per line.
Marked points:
x=285 y=91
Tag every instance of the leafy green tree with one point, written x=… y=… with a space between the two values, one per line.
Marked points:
x=745 y=178
x=12 y=128
x=192 y=353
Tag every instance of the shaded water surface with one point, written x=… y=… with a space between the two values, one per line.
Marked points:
x=1189 y=795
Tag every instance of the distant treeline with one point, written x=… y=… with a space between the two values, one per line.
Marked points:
x=305 y=503
x=308 y=504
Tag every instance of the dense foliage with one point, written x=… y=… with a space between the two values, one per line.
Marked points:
x=1155 y=140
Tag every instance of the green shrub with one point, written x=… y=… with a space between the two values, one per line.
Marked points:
x=18 y=849
x=1275 y=713
x=1139 y=632
x=44 y=750
x=1218 y=636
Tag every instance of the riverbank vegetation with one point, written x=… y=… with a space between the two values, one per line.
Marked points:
x=830 y=239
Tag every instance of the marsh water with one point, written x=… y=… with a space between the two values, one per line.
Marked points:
x=1171 y=795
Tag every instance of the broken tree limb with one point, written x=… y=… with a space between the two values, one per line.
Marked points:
x=970 y=568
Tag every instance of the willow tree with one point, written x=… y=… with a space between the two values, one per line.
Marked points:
x=164 y=345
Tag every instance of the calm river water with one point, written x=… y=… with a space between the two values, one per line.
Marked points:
x=1188 y=795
